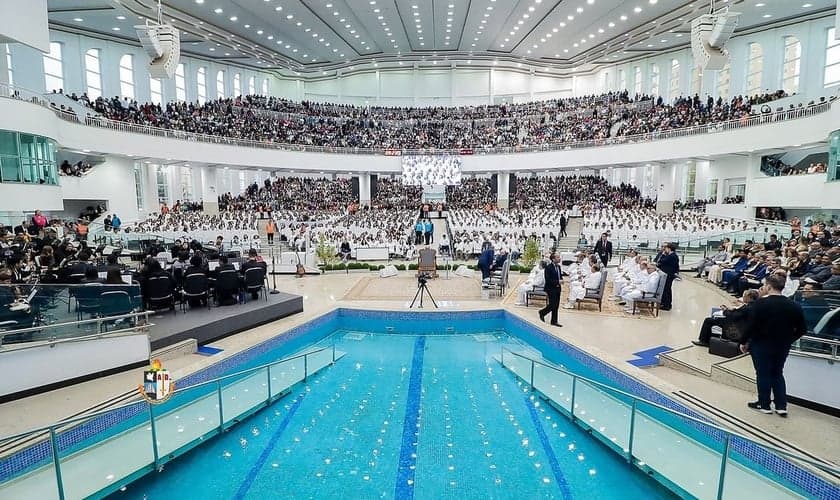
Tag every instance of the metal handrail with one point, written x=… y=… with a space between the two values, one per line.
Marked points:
x=834 y=344
x=57 y=340
x=823 y=466
x=217 y=380
x=746 y=121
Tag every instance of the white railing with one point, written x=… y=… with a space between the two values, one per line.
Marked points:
x=711 y=128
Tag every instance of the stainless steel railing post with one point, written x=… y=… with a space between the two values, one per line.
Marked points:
x=56 y=464
x=305 y=367
x=221 y=412
x=632 y=430
x=154 y=435
x=532 y=375
x=574 y=389
x=723 y=461
x=268 y=381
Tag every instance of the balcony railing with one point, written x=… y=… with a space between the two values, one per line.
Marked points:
x=711 y=128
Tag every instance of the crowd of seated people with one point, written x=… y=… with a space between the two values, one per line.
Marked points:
x=695 y=204
x=517 y=125
x=734 y=200
x=391 y=229
x=473 y=192
x=302 y=194
x=431 y=170
x=78 y=169
x=393 y=193
x=646 y=227
x=568 y=191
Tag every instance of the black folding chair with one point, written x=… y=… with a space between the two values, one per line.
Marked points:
x=255 y=281
x=159 y=290
x=196 y=286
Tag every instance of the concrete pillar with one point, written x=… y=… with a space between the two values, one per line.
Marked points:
x=364 y=189
x=666 y=193
x=150 y=194
x=208 y=192
x=502 y=190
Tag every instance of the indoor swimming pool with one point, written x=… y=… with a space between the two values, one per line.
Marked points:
x=368 y=404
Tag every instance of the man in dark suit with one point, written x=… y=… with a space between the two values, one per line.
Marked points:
x=563 y=222
x=552 y=289
x=227 y=290
x=603 y=247
x=669 y=264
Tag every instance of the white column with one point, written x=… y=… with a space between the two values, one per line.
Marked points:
x=667 y=188
x=491 y=86
x=502 y=191
x=150 y=195
x=364 y=189
x=208 y=188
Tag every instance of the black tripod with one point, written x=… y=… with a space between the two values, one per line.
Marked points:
x=422 y=290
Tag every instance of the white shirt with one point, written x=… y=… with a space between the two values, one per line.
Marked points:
x=652 y=283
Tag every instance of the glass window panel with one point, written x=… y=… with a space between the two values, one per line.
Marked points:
x=8 y=143
x=10 y=68
x=201 y=84
x=127 y=76
x=180 y=84
x=675 y=79
x=637 y=80
x=10 y=167
x=237 y=85
x=755 y=67
x=654 y=79
x=220 y=84
x=622 y=80
x=156 y=90
x=138 y=184
x=93 y=74
x=723 y=79
x=832 y=59
x=264 y=85
x=53 y=70
x=791 y=65
x=832 y=75
x=251 y=86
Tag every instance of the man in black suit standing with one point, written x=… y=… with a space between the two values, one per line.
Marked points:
x=563 y=222
x=603 y=247
x=669 y=264
x=552 y=289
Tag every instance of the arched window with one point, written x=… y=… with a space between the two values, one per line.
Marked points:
x=654 y=79
x=832 y=60
x=252 y=89
x=201 y=85
x=53 y=68
x=622 y=81
x=696 y=81
x=264 y=86
x=93 y=74
x=791 y=64
x=220 y=84
x=755 y=66
x=637 y=80
x=180 y=83
x=674 y=80
x=723 y=79
x=156 y=90
x=127 y=76
x=237 y=85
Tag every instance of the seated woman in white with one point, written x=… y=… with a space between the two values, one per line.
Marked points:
x=535 y=278
x=649 y=287
x=627 y=271
x=577 y=288
x=635 y=279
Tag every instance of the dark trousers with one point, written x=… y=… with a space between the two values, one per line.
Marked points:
x=743 y=285
x=428 y=237
x=552 y=304
x=604 y=258
x=667 y=294
x=563 y=231
x=706 y=328
x=418 y=237
x=270 y=238
x=485 y=272
x=769 y=362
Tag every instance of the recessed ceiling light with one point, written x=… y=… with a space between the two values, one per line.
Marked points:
x=234 y=18
x=766 y=15
x=115 y=28
x=121 y=18
x=637 y=9
x=806 y=5
x=218 y=10
x=199 y=2
x=78 y=19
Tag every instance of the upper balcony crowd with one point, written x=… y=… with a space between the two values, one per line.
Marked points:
x=558 y=121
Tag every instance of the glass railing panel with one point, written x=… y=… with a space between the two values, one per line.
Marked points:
x=744 y=481
x=518 y=365
x=556 y=385
x=318 y=360
x=98 y=465
x=285 y=374
x=36 y=479
x=244 y=394
x=196 y=415
x=603 y=413
x=689 y=464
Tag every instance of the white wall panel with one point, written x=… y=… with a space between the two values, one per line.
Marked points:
x=472 y=83
x=510 y=82
x=397 y=84
x=364 y=84
x=434 y=83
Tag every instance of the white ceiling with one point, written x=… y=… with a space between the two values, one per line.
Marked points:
x=325 y=35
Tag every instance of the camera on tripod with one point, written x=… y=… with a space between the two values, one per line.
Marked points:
x=423 y=278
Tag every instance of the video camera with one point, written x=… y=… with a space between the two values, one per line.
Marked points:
x=423 y=278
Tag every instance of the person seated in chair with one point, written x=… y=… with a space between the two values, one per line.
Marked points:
x=91 y=276
x=648 y=288
x=444 y=247
x=226 y=291
x=535 y=279
x=578 y=287
x=345 y=251
x=252 y=263
x=729 y=315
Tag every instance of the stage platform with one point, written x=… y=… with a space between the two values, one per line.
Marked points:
x=207 y=325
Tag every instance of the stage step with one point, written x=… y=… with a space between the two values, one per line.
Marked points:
x=735 y=372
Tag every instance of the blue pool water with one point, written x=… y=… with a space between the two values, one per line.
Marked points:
x=403 y=416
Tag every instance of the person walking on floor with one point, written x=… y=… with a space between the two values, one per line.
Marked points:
x=270 y=229
x=669 y=264
x=563 y=222
x=428 y=231
x=603 y=247
x=775 y=322
x=552 y=289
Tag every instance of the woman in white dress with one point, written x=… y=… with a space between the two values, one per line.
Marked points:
x=577 y=289
x=535 y=278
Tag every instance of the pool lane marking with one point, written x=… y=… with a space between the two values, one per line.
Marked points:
x=263 y=458
x=404 y=488
x=549 y=451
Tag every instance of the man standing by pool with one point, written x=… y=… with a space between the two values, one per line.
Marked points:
x=552 y=289
x=775 y=323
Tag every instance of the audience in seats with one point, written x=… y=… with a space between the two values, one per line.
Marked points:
x=392 y=193
x=608 y=117
x=78 y=169
x=473 y=192
x=371 y=228
x=736 y=316
x=580 y=281
x=648 y=285
x=574 y=191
